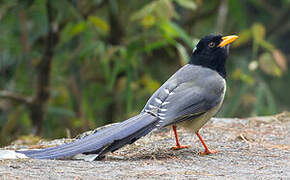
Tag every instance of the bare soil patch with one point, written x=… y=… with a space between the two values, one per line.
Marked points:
x=254 y=148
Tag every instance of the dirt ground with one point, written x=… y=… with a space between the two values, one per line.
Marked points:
x=255 y=148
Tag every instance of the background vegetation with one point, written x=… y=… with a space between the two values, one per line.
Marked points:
x=68 y=66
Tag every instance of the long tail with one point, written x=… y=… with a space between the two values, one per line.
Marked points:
x=103 y=141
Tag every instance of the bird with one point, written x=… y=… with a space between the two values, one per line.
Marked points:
x=189 y=98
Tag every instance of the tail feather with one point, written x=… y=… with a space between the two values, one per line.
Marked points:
x=128 y=140
x=103 y=141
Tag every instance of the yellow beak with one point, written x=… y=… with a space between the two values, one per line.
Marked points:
x=227 y=40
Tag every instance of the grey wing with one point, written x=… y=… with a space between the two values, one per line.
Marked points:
x=189 y=102
x=182 y=98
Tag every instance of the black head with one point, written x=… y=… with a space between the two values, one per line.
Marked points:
x=211 y=52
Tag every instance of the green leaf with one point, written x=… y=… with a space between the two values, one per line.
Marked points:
x=238 y=74
x=78 y=28
x=72 y=30
x=60 y=111
x=161 y=9
x=145 y=11
x=99 y=23
x=266 y=45
x=259 y=100
x=244 y=37
x=173 y=30
x=115 y=72
x=155 y=45
x=128 y=92
x=259 y=32
x=110 y=52
x=272 y=107
x=236 y=101
x=182 y=53
x=280 y=59
x=238 y=12
x=148 y=21
x=189 y=4
x=150 y=84
x=164 y=9
x=268 y=65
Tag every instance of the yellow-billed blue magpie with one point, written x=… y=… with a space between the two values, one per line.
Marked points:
x=190 y=97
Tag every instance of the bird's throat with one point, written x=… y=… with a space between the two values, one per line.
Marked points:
x=217 y=64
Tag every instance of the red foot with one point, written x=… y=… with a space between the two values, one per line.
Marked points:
x=208 y=152
x=177 y=147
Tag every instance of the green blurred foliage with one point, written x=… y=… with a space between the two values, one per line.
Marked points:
x=113 y=54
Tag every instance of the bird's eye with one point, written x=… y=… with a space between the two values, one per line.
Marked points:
x=211 y=44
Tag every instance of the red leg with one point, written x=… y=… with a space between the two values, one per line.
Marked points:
x=178 y=146
x=206 y=151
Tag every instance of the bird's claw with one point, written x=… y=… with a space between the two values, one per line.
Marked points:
x=178 y=147
x=208 y=152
